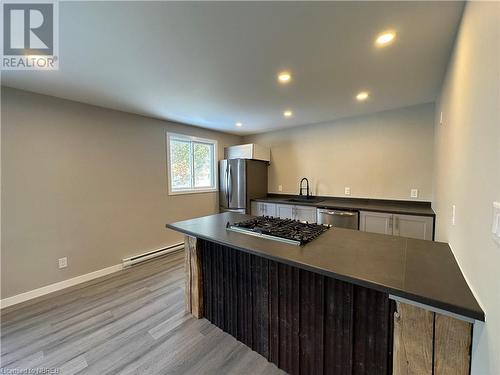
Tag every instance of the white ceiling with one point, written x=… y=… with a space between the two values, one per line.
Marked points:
x=213 y=64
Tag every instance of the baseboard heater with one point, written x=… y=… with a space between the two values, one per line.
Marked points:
x=127 y=262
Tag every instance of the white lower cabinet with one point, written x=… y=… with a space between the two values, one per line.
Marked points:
x=270 y=209
x=420 y=227
x=305 y=213
x=263 y=209
x=375 y=222
x=256 y=208
x=284 y=211
x=301 y=213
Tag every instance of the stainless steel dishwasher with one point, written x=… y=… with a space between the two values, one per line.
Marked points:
x=338 y=218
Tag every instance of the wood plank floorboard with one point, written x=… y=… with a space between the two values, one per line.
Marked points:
x=130 y=322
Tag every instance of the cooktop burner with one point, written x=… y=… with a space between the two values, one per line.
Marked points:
x=285 y=230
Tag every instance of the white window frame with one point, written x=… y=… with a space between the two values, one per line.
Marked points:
x=192 y=190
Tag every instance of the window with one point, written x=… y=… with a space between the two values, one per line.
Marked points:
x=191 y=164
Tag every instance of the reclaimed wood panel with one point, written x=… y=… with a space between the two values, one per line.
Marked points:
x=304 y=322
x=430 y=343
x=194 y=277
x=311 y=322
x=452 y=345
x=339 y=299
x=274 y=317
x=187 y=270
x=206 y=281
x=245 y=299
x=260 y=313
x=413 y=340
x=288 y=317
x=372 y=331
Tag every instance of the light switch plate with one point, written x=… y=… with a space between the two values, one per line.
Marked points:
x=280 y=187
x=347 y=190
x=495 y=225
x=63 y=262
x=414 y=193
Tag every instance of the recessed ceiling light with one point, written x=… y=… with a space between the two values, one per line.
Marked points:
x=288 y=113
x=284 y=77
x=363 y=95
x=385 y=38
x=239 y=124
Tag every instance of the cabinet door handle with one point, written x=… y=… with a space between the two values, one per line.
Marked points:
x=390 y=223
x=396 y=223
x=336 y=213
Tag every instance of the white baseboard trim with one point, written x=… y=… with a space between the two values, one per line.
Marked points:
x=22 y=297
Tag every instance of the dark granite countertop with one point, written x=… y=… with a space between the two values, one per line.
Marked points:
x=418 y=270
x=380 y=205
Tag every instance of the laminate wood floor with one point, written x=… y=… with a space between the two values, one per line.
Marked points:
x=131 y=322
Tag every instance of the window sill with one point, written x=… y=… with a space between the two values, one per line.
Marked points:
x=192 y=191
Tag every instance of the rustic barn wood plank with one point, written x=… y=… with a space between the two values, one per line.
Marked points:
x=194 y=277
x=453 y=339
x=339 y=298
x=274 y=316
x=247 y=297
x=207 y=281
x=260 y=305
x=312 y=309
x=413 y=340
x=187 y=269
x=371 y=332
x=288 y=310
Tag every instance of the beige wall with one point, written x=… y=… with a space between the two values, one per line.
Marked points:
x=87 y=183
x=467 y=168
x=381 y=155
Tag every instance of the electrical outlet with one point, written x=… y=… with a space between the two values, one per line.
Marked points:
x=63 y=262
x=453 y=214
x=347 y=190
x=280 y=187
x=414 y=193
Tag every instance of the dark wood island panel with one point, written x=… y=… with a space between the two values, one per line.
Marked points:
x=303 y=322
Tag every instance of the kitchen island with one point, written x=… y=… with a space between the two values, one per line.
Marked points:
x=347 y=302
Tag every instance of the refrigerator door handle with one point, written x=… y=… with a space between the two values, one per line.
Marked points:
x=229 y=185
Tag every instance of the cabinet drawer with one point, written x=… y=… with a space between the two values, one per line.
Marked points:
x=420 y=227
x=305 y=213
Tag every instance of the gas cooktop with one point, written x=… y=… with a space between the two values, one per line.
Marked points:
x=284 y=230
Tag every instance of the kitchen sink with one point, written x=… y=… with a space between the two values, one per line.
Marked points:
x=305 y=199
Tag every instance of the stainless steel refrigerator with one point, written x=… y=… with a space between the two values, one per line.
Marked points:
x=241 y=180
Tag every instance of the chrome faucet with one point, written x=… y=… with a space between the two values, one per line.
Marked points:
x=307 y=187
